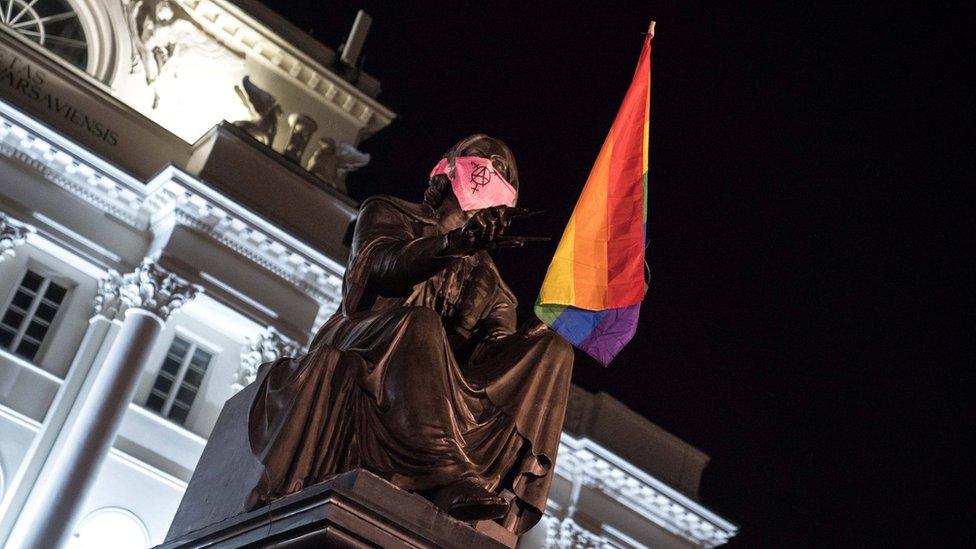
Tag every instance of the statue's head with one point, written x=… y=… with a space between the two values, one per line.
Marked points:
x=164 y=12
x=501 y=162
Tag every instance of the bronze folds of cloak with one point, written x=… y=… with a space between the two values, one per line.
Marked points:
x=422 y=377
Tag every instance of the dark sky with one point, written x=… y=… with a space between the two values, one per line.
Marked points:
x=771 y=333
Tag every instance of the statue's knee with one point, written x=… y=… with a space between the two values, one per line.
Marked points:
x=556 y=346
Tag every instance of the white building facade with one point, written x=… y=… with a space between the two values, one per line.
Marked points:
x=172 y=214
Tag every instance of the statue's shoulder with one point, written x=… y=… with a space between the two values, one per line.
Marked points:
x=385 y=205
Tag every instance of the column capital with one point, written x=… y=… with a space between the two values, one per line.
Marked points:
x=12 y=234
x=567 y=533
x=267 y=346
x=149 y=287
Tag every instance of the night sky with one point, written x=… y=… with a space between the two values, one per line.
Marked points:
x=771 y=334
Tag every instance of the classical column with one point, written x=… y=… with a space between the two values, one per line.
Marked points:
x=144 y=299
x=91 y=352
x=267 y=346
x=12 y=234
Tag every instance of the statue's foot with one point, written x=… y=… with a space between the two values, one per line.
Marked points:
x=468 y=500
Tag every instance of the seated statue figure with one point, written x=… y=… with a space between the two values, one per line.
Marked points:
x=423 y=377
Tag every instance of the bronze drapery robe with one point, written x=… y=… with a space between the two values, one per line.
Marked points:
x=421 y=377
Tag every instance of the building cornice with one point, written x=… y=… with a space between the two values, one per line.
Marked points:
x=238 y=30
x=191 y=202
x=600 y=469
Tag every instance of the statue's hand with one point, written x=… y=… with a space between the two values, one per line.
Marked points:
x=480 y=288
x=481 y=230
x=534 y=327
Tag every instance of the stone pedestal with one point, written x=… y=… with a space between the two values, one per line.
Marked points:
x=354 y=509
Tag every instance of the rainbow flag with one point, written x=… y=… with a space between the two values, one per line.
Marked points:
x=592 y=292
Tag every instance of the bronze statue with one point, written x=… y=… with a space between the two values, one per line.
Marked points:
x=422 y=376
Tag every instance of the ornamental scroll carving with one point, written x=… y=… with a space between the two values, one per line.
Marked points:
x=149 y=287
x=12 y=234
x=269 y=345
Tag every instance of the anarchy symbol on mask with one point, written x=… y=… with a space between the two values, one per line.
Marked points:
x=480 y=177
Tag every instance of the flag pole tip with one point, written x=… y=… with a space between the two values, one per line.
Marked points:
x=650 y=28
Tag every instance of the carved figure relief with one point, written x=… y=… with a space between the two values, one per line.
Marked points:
x=12 y=234
x=302 y=127
x=149 y=287
x=324 y=163
x=162 y=34
x=264 y=108
x=330 y=162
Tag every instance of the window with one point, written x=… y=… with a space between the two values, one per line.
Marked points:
x=29 y=316
x=179 y=380
x=53 y=24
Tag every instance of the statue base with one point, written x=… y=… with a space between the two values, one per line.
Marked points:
x=354 y=509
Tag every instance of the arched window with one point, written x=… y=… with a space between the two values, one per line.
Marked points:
x=110 y=528
x=53 y=24
x=78 y=31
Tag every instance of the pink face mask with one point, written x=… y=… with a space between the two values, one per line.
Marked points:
x=476 y=183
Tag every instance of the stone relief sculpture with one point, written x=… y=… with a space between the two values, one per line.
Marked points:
x=349 y=158
x=265 y=110
x=162 y=32
x=267 y=346
x=12 y=234
x=324 y=163
x=302 y=127
x=423 y=376
x=331 y=162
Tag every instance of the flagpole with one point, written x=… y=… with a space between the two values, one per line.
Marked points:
x=650 y=28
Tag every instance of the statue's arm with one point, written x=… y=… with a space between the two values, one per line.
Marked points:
x=397 y=259
x=500 y=322
x=489 y=303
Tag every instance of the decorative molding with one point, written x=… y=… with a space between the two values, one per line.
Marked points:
x=566 y=533
x=269 y=345
x=264 y=109
x=585 y=462
x=71 y=173
x=136 y=204
x=311 y=278
x=107 y=301
x=149 y=287
x=12 y=234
